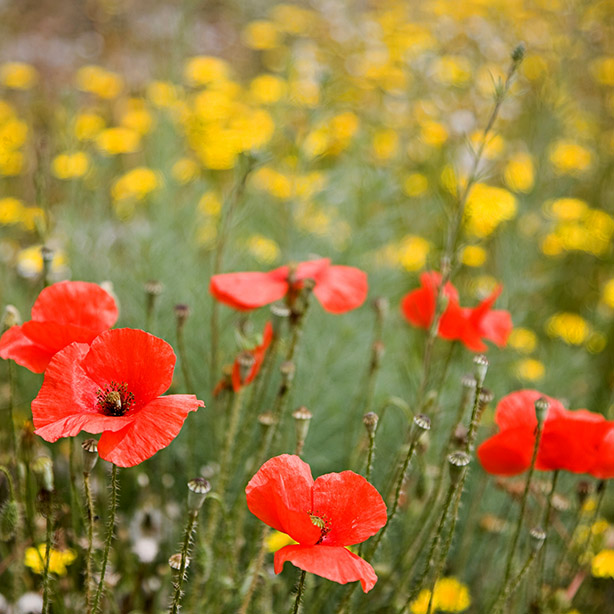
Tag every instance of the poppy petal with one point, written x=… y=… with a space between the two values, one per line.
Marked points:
x=518 y=409
x=16 y=346
x=66 y=402
x=351 y=507
x=258 y=353
x=312 y=269
x=508 y=452
x=55 y=336
x=79 y=303
x=418 y=307
x=280 y=495
x=152 y=428
x=341 y=288
x=331 y=562
x=603 y=467
x=124 y=355
x=496 y=326
x=249 y=290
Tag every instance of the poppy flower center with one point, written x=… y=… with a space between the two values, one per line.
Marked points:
x=321 y=522
x=114 y=400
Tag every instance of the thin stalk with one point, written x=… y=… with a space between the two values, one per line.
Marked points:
x=370 y=455
x=546 y=525
x=46 y=579
x=75 y=503
x=185 y=549
x=109 y=538
x=183 y=358
x=89 y=501
x=523 y=505
x=585 y=546
x=299 y=593
x=511 y=587
x=257 y=566
x=11 y=419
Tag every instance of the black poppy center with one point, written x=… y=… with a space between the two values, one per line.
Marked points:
x=114 y=400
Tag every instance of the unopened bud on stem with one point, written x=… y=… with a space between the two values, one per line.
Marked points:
x=280 y=314
x=246 y=362
x=182 y=313
x=198 y=488
x=89 y=449
x=538 y=537
x=370 y=421
x=481 y=367
x=457 y=463
x=10 y=317
x=302 y=418
x=420 y=425
x=541 y=409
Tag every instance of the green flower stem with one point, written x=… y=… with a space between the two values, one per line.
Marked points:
x=46 y=579
x=9 y=481
x=183 y=358
x=587 y=541
x=109 y=538
x=257 y=566
x=75 y=503
x=11 y=419
x=185 y=550
x=299 y=593
x=89 y=501
x=510 y=587
x=523 y=505
x=546 y=525
x=370 y=456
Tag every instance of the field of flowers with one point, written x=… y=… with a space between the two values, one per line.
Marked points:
x=300 y=301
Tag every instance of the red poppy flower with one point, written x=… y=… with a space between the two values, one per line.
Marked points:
x=338 y=288
x=466 y=324
x=603 y=467
x=323 y=516
x=64 y=312
x=570 y=439
x=113 y=387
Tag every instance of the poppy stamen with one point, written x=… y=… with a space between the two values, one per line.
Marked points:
x=321 y=522
x=114 y=400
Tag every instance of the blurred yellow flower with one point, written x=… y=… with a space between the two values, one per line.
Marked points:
x=267 y=89
x=135 y=116
x=292 y=18
x=99 y=81
x=34 y=558
x=204 y=69
x=11 y=211
x=523 y=340
x=162 y=94
x=272 y=181
x=487 y=207
x=305 y=92
x=607 y=296
x=410 y=253
x=570 y=327
x=70 y=165
x=185 y=170
x=210 y=204
x=137 y=183
x=277 y=540
x=113 y=141
x=206 y=234
x=433 y=133
x=530 y=369
x=263 y=249
x=602 y=565
x=18 y=75
x=519 y=173
x=415 y=184
x=13 y=134
x=385 y=144
x=30 y=262
x=452 y=70
x=493 y=145
x=473 y=255
x=568 y=209
x=449 y=595
x=261 y=34
x=568 y=157
x=87 y=126
x=603 y=70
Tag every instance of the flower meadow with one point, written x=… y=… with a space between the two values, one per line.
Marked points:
x=307 y=307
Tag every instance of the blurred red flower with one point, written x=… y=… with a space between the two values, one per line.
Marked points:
x=113 y=387
x=338 y=288
x=570 y=439
x=325 y=516
x=64 y=312
x=469 y=325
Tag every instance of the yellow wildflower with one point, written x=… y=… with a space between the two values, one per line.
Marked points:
x=473 y=255
x=523 y=340
x=385 y=144
x=449 y=595
x=530 y=369
x=11 y=211
x=185 y=170
x=265 y=250
x=30 y=262
x=99 y=81
x=415 y=184
x=602 y=565
x=603 y=70
x=274 y=182
x=493 y=145
x=487 y=206
x=519 y=173
x=210 y=204
x=570 y=327
x=433 y=133
x=277 y=540
x=267 y=89
x=204 y=69
x=34 y=558
x=88 y=125
x=569 y=158
x=18 y=75
x=113 y=141
x=596 y=343
x=135 y=116
x=413 y=251
x=261 y=34
x=568 y=209
x=13 y=134
x=70 y=165
x=452 y=70
x=607 y=296
x=162 y=94
x=137 y=183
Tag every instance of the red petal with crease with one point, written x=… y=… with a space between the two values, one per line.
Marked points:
x=249 y=290
x=333 y=563
x=496 y=326
x=78 y=303
x=54 y=336
x=258 y=353
x=418 y=306
x=341 y=288
x=351 y=506
x=152 y=428
x=518 y=409
x=16 y=346
x=508 y=452
x=66 y=402
x=125 y=355
x=280 y=495
x=312 y=269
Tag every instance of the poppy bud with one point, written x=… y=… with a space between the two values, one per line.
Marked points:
x=43 y=469
x=421 y=424
x=518 y=53
x=246 y=361
x=280 y=314
x=266 y=420
x=10 y=317
x=486 y=396
x=198 y=488
x=89 y=448
x=538 y=537
x=468 y=381
x=182 y=313
x=302 y=418
x=153 y=288
x=287 y=370
x=10 y=519
x=481 y=367
x=370 y=421
x=541 y=409
x=175 y=561
x=457 y=462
